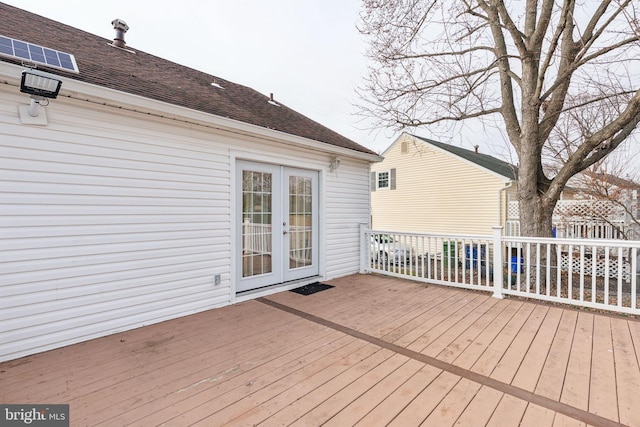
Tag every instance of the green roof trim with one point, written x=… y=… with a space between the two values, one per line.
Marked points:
x=484 y=160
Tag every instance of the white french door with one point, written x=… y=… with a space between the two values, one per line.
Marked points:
x=278 y=224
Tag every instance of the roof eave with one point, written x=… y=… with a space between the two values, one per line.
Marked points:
x=75 y=89
x=503 y=177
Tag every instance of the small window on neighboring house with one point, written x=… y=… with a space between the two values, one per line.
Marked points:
x=383 y=180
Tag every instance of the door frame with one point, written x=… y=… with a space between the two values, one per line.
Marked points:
x=289 y=274
x=235 y=261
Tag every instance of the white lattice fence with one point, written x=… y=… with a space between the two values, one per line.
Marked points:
x=603 y=266
x=590 y=219
x=584 y=209
x=513 y=211
x=578 y=210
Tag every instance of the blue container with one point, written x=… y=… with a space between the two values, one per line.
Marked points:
x=515 y=263
x=471 y=255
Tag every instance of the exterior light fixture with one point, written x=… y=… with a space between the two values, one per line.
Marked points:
x=40 y=86
x=335 y=163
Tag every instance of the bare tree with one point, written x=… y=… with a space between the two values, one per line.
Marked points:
x=614 y=184
x=529 y=64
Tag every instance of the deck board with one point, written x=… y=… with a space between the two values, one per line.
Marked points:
x=509 y=412
x=495 y=350
x=416 y=412
x=575 y=391
x=369 y=400
x=481 y=408
x=212 y=385
x=627 y=372
x=603 y=399
x=336 y=403
x=176 y=379
x=337 y=358
x=472 y=334
x=512 y=358
x=533 y=363
x=400 y=398
x=469 y=356
x=537 y=416
x=455 y=325
x=553 y=373
x=453 y=404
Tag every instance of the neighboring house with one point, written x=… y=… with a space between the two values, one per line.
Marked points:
x=148 y=191
x=427 y=186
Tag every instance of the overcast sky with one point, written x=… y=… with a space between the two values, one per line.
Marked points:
x=308 y=53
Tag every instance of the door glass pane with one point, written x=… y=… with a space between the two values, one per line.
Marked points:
x=256 y=223
x=300 y=222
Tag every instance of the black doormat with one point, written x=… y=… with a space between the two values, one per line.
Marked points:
x=311 y=288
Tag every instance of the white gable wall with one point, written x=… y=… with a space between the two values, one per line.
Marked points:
x=110 y=220
x=436 y=192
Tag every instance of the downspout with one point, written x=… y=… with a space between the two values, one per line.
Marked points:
x=506 y=186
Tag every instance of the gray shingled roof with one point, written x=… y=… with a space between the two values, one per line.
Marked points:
x=488 y=162
x=156 y=78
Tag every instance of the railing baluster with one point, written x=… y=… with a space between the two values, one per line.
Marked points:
x=548 y=276
x=538 y=265
x=510 y=263
x=465 y=270
x=570 y=274
x=581 y=272
x=634 y=278
x=487 y=263
x=606 y=275
x=559 y=270
x=471 y=262
x=429 y=258
x=594 y=273
x=620 y=274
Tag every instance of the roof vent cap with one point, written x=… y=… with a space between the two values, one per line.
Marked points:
x=272 y=101
x=121 y=27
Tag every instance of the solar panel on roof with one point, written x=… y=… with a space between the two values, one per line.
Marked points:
x=18 y=49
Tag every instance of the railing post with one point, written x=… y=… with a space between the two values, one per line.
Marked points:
x=363 y=248
x=497 y=262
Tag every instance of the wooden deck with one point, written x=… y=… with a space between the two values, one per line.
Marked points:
x=371 y=351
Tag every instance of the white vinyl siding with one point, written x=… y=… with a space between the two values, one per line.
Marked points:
x=435 y=192
x=347 y=206
x=106 y=229
x=111 y=220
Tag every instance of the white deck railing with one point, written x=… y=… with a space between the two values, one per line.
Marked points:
x=257 y=239
x=600 y=274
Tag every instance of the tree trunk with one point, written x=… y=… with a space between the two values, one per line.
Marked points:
x=536 y=217
x=536 y=210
